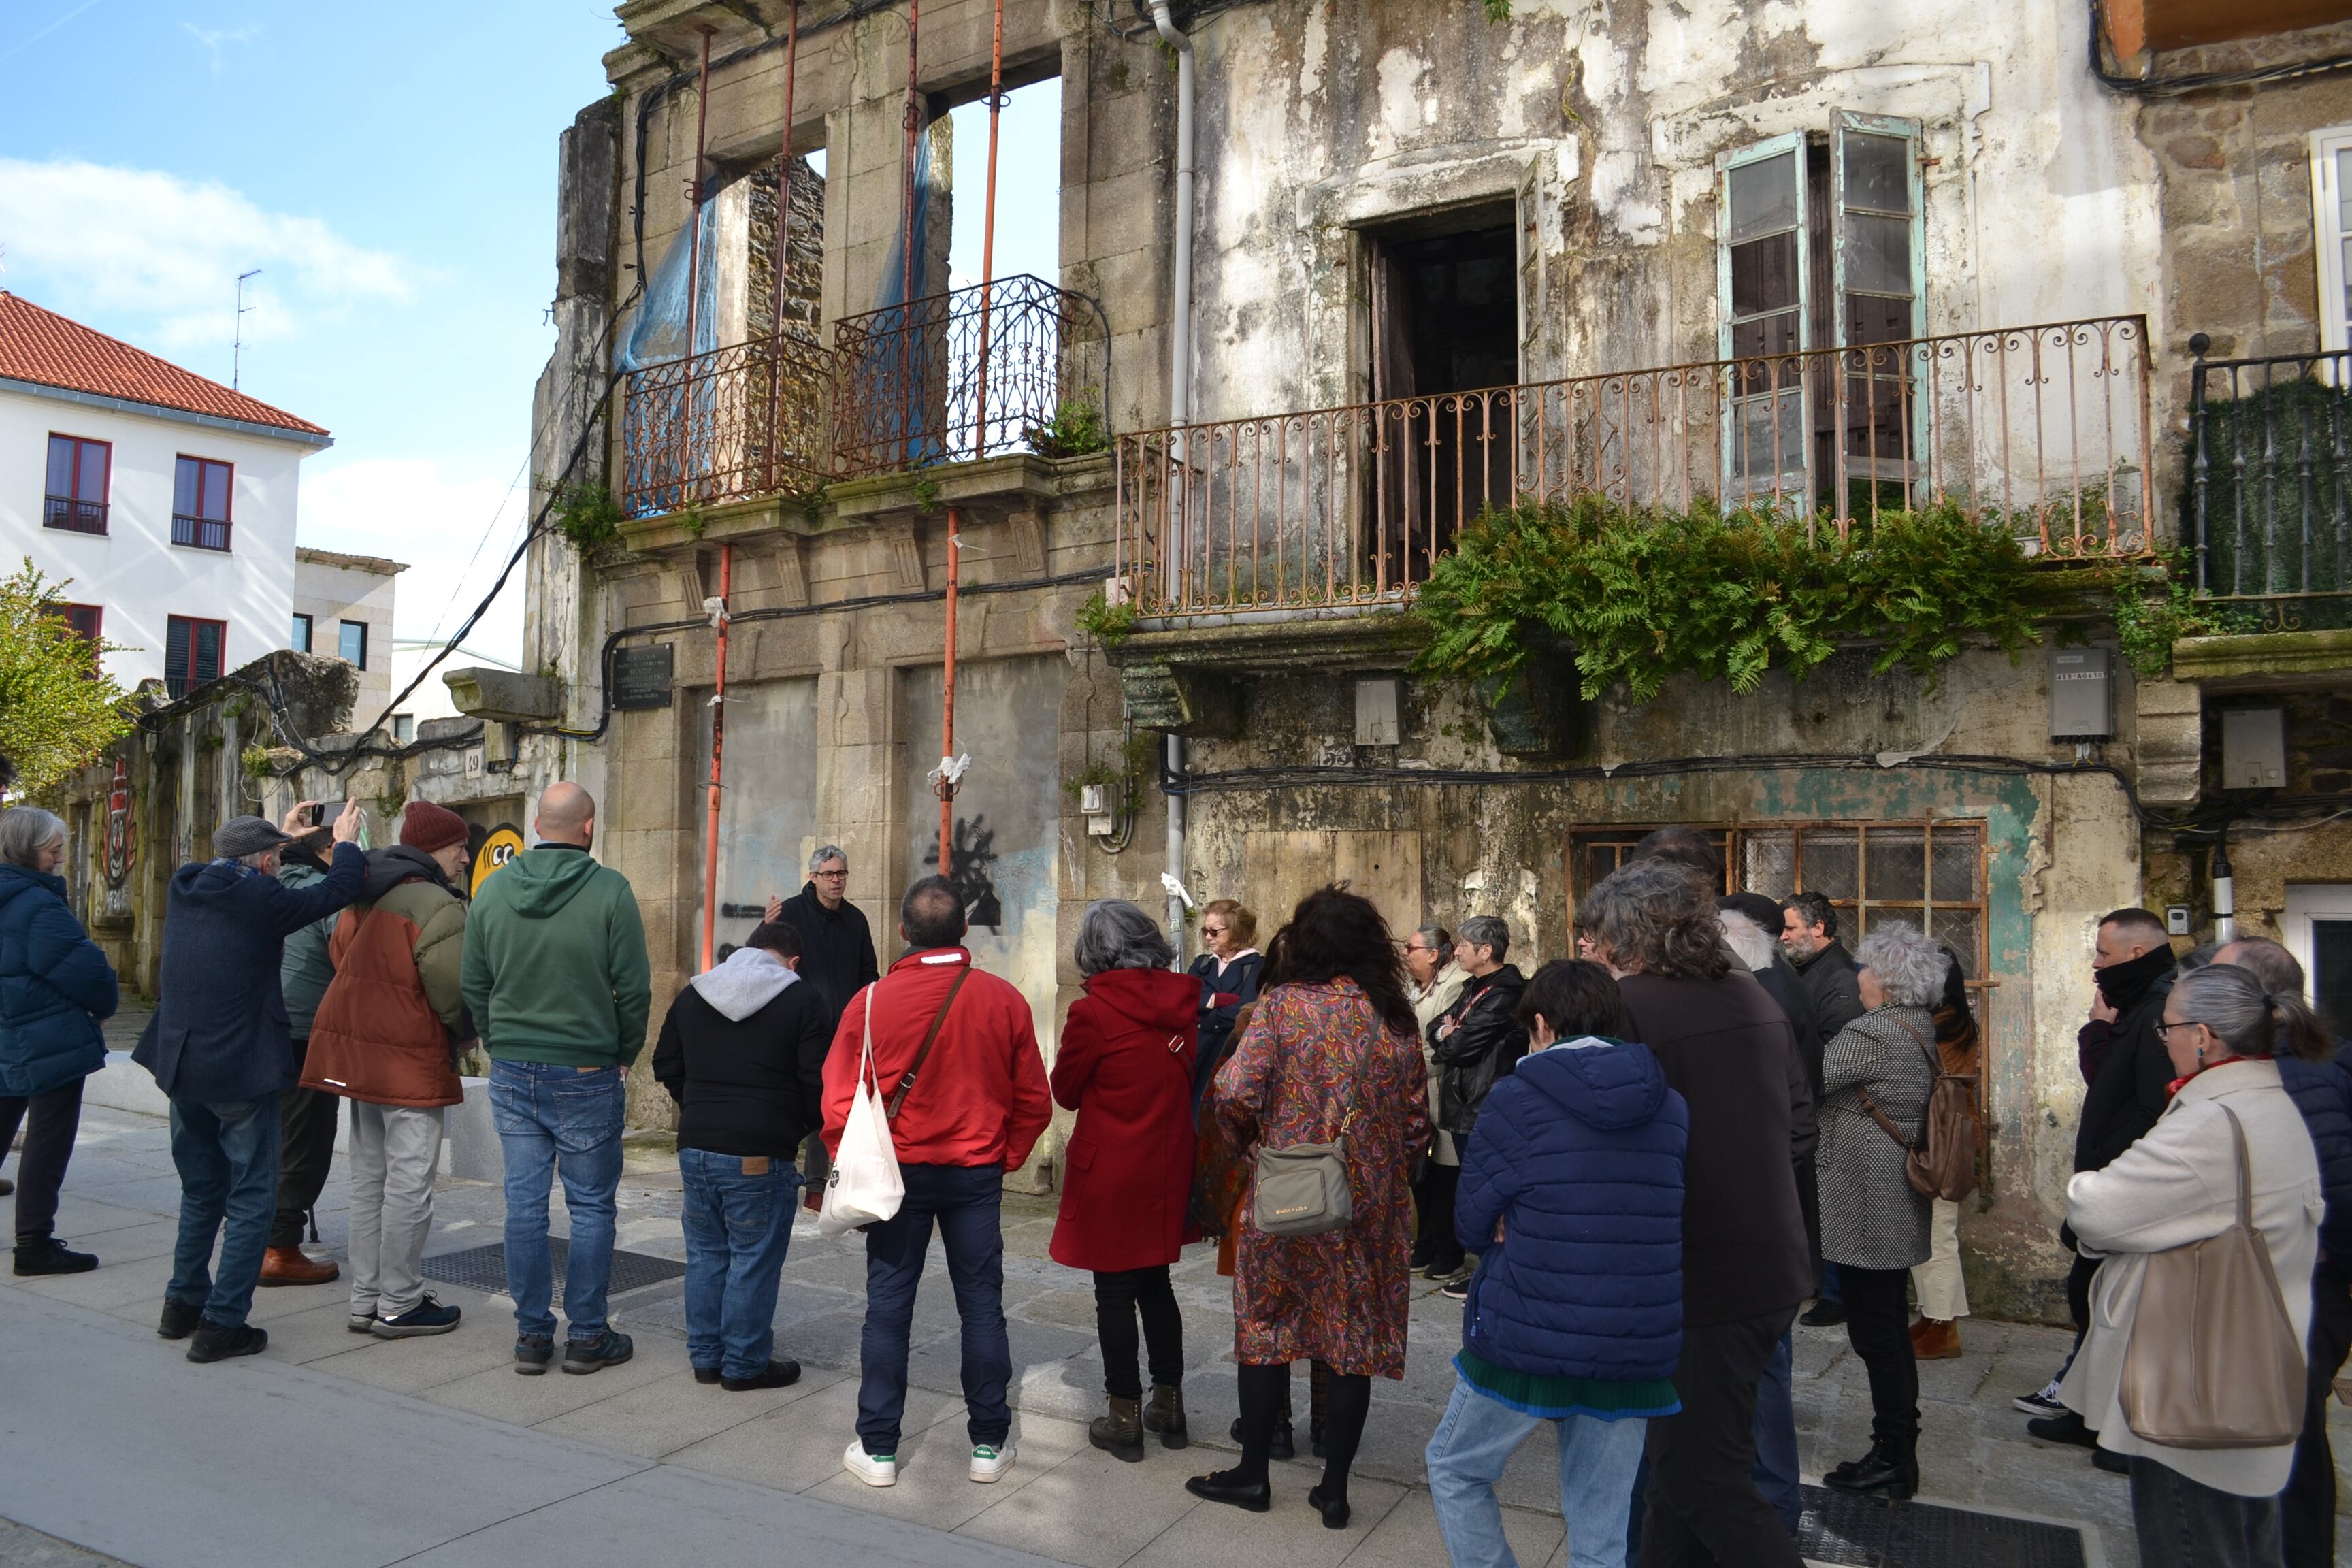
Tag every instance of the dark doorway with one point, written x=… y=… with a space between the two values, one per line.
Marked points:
x=1445 y=323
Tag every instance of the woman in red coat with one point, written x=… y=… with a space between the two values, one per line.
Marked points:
x=1126 y=1068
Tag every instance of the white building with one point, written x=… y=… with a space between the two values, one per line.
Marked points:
x=343 y=609
x=165 y=501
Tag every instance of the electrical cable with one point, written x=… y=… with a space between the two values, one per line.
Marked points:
x=2196 y=81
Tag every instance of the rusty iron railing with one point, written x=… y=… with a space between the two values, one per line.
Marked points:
x=736 y=422
x=2270 y=483
x=2044 y=428
x=975 y=373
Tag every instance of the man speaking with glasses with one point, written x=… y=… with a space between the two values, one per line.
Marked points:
x=837 y=959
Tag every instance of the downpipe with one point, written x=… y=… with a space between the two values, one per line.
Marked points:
x=1180 y=411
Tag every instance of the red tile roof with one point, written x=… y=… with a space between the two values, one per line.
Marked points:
x=42 y=346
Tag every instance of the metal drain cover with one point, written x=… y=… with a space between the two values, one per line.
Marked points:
x=1870 y=1532
x=485 y=1268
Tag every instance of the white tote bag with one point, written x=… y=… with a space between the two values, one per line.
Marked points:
x=864 y=1184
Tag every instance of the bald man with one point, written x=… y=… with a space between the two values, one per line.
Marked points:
x=556 y=978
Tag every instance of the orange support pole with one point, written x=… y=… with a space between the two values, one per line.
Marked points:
x=717 y=750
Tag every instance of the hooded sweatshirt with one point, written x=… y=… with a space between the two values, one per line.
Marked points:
x=742 y=1053
x=1578 y=1309
x=555 y=962
x=384 y=1028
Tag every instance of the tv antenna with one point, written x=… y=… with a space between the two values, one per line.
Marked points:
x=236 y=345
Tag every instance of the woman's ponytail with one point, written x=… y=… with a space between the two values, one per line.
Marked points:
x=2297 y=1029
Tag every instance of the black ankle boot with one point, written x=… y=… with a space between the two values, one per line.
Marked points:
x=50 y=1256
x=1282 y=1445
x=1891 y=1469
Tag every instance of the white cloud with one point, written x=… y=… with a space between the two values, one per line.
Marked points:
x=213 y=40
x=454 y=531
x=138 y=242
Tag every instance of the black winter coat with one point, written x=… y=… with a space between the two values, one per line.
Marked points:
x=1240 y=979
x=836 y=949
x=2136 y=1075
x=1834 y=992
x=218 y=1035
x=1487 y=1043
x=2323 y=1092
x=1782 y=984
x=750 y=1087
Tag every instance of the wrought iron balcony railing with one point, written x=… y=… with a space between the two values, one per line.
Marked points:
x=201 y=532
x=2270 y=483
x=2044 y=429
x=1008 y=366
x=76 y=516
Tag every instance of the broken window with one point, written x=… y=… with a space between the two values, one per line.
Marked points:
x=1819 y=259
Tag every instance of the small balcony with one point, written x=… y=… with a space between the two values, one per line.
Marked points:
x=74 y=516
x=2270 y=486
x=200 y=532
x=2044 y=429
x=987 y=371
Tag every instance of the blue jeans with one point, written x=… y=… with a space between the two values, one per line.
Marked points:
x=1477 y=1437
x=737 y=1229
x=966 y=1201
x=1775 y=1473
x=559 y=1120
x=227 y=1153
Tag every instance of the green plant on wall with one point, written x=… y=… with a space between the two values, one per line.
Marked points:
x=2155 y=605
x=1108 y=624
x=588 y=516
x=1124 y=772
x=58 y=708
x=1074 y=429
x=1642 y=595
x=926 y=494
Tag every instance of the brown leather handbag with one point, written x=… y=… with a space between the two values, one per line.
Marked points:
x=2213 y=1362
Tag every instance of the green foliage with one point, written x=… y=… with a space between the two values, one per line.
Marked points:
x=588 y=516
x=1108 y=624
x=1124 y=772
x=692 y=521
x=256 y=763
x=1643 y=594
x=58 y=710
x=2155 y=605
x=1075 y=429
x=812 y=506
x=926 y=494
x=1497 y=10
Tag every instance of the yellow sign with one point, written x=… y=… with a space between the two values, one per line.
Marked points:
x=499 y=848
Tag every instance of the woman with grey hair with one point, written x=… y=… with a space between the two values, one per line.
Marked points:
x=1126 y=1066
x=55 y=986
x=1877 y=1075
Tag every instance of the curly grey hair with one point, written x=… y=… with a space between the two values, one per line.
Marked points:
x=1909 y=967
x=830 y=852
x=25 y=832
x=1656 y=917
x=1115 y=934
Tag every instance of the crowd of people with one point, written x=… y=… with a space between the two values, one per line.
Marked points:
x=1633 y=1167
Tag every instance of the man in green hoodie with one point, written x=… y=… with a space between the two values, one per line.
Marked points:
x=555 y=975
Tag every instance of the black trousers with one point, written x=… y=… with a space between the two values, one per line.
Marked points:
x=1702 y=1506
x=51 y=1120
x=306 y=1132
x=1120 y=1297
x=1878 y=1326
x=1432 y=1198
x=1809 y=1204
x=2183 y=1523
x=2307 y=1506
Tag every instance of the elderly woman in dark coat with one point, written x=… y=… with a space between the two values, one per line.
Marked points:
x=1126 y=1066
x=55 y=987
x=1877 y=1075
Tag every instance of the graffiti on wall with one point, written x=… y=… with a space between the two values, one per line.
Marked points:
x=121 y=849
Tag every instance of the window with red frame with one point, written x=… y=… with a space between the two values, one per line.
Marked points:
x=200 y=492
x=85 y=621
x=76 y=492
x=192 y=653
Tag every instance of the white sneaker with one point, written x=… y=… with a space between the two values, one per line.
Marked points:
x=874 y=1469
x=989 y=1463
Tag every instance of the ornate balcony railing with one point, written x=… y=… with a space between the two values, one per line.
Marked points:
x=984 y=370
x=2270 y=483
x=733 y=422
x=2043 y=428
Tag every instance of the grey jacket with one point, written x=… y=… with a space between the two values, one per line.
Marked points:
x=306 y=971
x=1871 y=1217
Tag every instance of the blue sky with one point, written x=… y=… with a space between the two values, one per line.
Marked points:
x=391 y=169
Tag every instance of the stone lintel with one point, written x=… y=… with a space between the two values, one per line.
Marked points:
x=2255 y=660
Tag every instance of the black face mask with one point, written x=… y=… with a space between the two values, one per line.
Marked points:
x=2125 y=984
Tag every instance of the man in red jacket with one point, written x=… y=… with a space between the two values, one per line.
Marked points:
x=955 y=1052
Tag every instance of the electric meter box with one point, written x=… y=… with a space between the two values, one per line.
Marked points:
x=1376 y=713
x=2081 y=693
x=2254 y=748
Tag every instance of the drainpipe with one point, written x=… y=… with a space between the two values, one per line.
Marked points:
x=1179 y=395
x=2225 y=898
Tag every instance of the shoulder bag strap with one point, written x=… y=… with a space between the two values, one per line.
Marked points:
x=1886 y=1122
x=899 y=1097
x=2245 y=1170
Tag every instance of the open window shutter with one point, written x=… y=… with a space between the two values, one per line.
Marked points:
x=1394 y=476
x=175 y=656
x=1878 y=298
x=1762 y=261
x=207 y=660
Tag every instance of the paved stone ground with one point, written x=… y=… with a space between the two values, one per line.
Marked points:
x=1064 y=1499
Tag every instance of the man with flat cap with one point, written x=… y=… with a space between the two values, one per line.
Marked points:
x=218 y=1046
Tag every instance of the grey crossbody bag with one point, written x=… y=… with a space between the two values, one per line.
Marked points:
x=1303 y=1190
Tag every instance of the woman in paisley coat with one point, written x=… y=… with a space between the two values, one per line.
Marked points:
x=1331 y=1044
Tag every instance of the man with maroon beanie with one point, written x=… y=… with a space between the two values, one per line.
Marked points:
x=385 y=1039
x=956 y=1051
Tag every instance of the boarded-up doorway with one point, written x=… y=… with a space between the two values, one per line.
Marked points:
x=1283 y=867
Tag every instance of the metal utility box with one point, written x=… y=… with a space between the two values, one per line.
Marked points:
x=2081 y=693
x=2254 y=748
x=1376 y=713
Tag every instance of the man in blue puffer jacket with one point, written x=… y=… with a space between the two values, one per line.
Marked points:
x=1575 y=1314
x=2323 y=1092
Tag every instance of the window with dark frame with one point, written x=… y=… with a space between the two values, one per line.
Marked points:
x=87 y=622
x=403 y=728
x=200 y=504
x=351 y=643
x=301 y=641
x=193 y=649
x=75 y=498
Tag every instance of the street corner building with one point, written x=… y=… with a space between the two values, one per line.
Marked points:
x=1357 y=300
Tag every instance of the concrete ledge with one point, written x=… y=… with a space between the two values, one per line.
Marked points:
x=2252 y=655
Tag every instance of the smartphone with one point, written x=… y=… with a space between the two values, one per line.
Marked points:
x=324 y=812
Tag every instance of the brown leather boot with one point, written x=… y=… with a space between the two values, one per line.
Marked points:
x=1934 y=1339
x=1121 y=1431
x=1165 y=1415
x=292 y=1266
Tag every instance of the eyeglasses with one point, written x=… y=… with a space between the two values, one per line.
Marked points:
x=843 y=872
x=2164 y=1031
